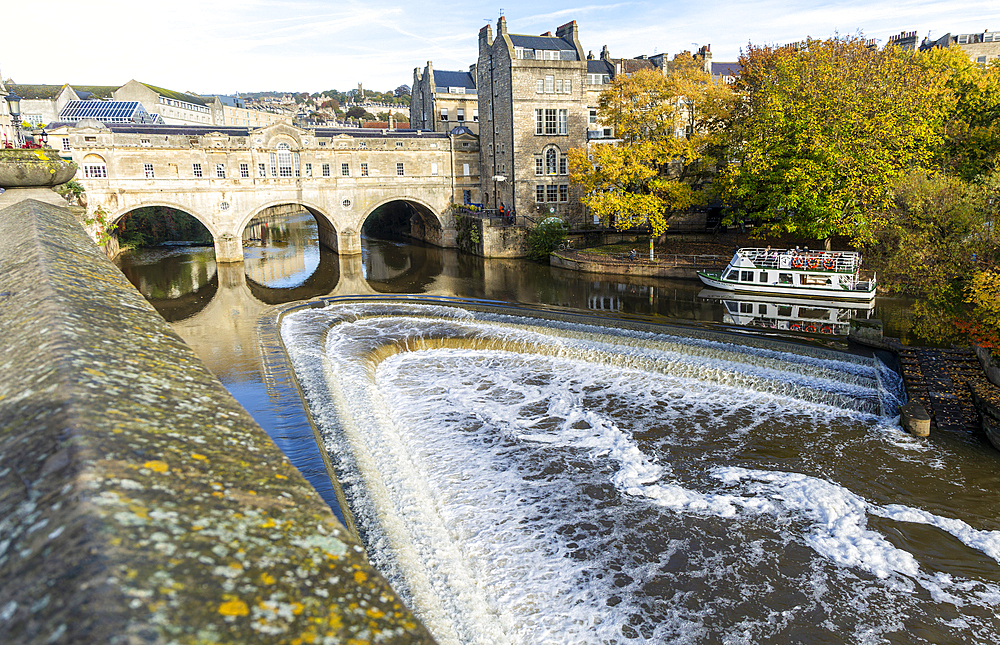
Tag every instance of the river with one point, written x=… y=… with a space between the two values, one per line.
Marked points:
x=528 y=480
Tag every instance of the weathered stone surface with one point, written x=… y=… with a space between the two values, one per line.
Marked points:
x=915 y=419
x=139 y=503
x=37 y=167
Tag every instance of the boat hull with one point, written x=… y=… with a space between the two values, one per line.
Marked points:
x=713 y=281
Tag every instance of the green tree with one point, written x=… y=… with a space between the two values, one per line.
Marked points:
x=823 y=129
x=663 y=125
x=972 y=129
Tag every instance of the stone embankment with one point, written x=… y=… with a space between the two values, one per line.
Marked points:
x=663 y=266
x=951 y=385
x=139 y=503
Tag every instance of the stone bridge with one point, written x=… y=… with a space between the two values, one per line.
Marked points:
x=226 y=176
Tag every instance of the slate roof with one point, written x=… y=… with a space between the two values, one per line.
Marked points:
x=541 y=42
x=95 y=91
x=726 y=69
x=177 y=96
x=454 y=79
x=631 y=65
x=600 y=67
x=35 y=91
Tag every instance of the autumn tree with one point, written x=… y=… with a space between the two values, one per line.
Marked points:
x=823 y=129
x=971 y=132
x=663 y=125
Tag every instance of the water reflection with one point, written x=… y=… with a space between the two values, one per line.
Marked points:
x=281 y=251
x=783 y=313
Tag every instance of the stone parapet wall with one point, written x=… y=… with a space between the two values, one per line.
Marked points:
x=138 y=501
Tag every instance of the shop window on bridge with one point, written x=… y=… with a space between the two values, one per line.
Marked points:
x=309 y=170
x=220 y=171
x=364 y=170
x=147 y=169
x=326 y=170
x=345 y=170
x=399 y=169
x=196 y=169
x=95 y=171
x=295 y=162
x=284 y=161
x=244 y=170
x=261 y=170
x=434 y=169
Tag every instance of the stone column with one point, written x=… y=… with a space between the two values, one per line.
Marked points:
x=350 y=242
x=228 y=248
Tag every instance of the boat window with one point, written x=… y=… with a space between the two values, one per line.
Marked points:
x=746 y=276
x=733 y=275
x=814 y=314
x=810 y=279
x=763 y=276
x=785 y=310
x=746 y=307
x=762 y=309
x=784 y=278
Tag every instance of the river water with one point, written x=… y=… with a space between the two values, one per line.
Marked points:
x=525 y=479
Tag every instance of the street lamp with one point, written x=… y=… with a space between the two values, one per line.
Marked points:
x=14 y=103
x=44 y=136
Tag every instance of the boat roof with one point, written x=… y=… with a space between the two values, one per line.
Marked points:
x=750 y=250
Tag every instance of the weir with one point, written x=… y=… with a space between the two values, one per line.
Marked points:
x=524 y=476
x=138 y=501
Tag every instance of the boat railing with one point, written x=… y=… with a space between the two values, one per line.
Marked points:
x=837 y=261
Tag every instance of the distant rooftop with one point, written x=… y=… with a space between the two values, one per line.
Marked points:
x=107 y=112
x=444 y=79
x=177 y=96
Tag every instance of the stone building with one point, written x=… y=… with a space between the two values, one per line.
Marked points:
x=41 y=104
x=981 y=47
x=6 y=127
x=441 y=100
x=175 y=108
x=532 y=111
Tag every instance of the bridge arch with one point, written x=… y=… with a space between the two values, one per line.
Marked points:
x=329 y=236
x=427 y=225
x=125 y=210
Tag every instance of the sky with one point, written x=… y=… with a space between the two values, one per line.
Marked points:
x=227 y=46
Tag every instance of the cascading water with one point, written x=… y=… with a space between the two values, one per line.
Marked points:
x=523 y=480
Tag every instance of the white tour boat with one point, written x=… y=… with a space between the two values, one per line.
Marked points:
x=834 y=275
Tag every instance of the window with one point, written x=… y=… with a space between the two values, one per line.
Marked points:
x=95 y=171
x=444 y=114
x=475 y=115
x=746 y=276
x=467 y=196
x=399 y=144
x=564 y=192
x=244 y=170
x=362 y=145
x=261 y=170
x=568 y=86
x=734 y=275
x=593 y=115
x=550 y=161
x=284 y=157
x=540 y=85
x=763 y=276
x=539 y=194
x=460 y=114
x=549 y=84
x=147 y=168
x=550 y=121
x=559 y=86
x=65 y=144
x=539 y=165
x=563 y=165
x=563 y=119
x=539 y=121
x=785 y=278
x=326 y=170
x=346 y=203
x=551 y=193
x=345 y=170
x=465 y=169
x=434 y=169
x=197 y=169
x=399 y=168
x=144 y=142
x=274 y=165
x=364 y=170
x=220 y=171
x=295 y=160
x=309 y=170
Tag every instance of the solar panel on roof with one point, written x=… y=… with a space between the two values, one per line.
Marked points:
x=106 y=112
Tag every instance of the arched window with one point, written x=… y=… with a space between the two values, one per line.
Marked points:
x=551 y=161
x=94 y=167
x=285 y=160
